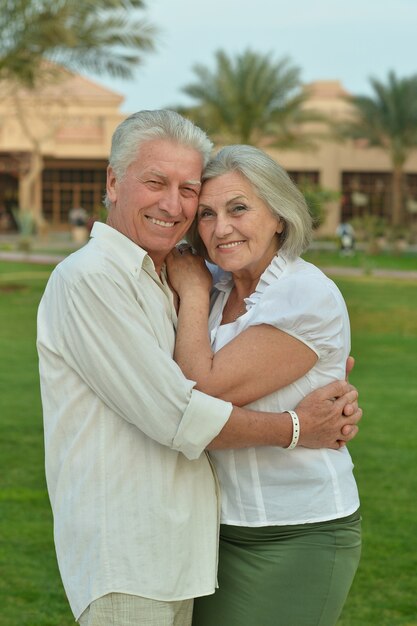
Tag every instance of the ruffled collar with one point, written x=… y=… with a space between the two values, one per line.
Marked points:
x=274 y=270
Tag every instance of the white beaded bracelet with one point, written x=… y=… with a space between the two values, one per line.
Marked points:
x=295 y=429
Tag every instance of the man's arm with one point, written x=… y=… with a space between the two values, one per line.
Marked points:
x=322 y=422
x=106 y=338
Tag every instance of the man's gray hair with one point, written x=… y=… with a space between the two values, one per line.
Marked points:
x=146 y=126
x=272 y=184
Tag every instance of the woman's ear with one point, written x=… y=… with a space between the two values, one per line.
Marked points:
x=280 y=225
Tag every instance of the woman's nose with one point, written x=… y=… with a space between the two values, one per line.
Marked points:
x=223 y=226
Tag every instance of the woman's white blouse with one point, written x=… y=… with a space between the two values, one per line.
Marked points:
x=271 y=485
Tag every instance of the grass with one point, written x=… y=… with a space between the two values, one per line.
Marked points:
x=384 y=260
x=384 y=325
x=384 y=330
x=30 y=590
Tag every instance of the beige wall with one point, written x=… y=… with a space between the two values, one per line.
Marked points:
x=72 y=119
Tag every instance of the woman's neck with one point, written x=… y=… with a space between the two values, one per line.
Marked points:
x=246 y=280
x=245 y=285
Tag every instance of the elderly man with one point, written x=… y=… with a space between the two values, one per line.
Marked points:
x=132 y=491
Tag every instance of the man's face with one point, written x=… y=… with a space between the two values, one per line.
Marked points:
x=155 y=202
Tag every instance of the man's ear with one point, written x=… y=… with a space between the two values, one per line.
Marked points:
x=111 y=184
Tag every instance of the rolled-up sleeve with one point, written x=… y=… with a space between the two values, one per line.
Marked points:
x=191 y=438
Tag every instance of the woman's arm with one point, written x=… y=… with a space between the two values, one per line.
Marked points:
x=257 y=362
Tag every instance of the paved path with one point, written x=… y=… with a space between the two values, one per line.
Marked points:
x=31 y=257
x=52 y=259
x=359 y=271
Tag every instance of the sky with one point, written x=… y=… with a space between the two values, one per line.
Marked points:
x=349 y=41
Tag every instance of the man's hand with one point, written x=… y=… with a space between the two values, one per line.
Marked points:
x=329 y=416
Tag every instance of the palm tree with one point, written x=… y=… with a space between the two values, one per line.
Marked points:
x=249 y=99
x=388 y=119
x=39 y=37
x=97 y=35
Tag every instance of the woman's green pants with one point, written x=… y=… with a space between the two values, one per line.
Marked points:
x=283 y=575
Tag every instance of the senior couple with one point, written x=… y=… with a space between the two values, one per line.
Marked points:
x=172 y=404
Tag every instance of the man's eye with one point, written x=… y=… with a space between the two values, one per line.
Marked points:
x=189 y=192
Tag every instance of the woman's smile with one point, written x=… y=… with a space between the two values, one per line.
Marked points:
x=230 y=245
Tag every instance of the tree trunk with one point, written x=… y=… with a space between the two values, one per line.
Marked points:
x=29 y=184
x=30 y=196
x=397 y=195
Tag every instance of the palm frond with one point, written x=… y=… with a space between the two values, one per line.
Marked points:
x=242 y=98
x=104 y=36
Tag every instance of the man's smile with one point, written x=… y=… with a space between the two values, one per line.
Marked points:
x=162 y=223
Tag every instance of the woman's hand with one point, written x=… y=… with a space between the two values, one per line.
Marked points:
x=187 y=271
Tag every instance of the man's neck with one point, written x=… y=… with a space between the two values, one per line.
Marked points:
x=158 y=261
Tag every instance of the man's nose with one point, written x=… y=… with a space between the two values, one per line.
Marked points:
x=170 y=201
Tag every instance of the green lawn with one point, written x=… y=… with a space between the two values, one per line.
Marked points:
x=384 y=325
x=384 y=329
x=361 y=259
x=30 y=589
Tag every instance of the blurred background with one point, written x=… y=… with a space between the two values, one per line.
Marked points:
x=329 y=89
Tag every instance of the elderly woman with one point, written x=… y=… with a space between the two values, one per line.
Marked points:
x=275 y=329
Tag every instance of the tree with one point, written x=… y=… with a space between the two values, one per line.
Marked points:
x=388 y=119
x=39 y=37
x=249 y=99
x=96 y=35
x=317 y=197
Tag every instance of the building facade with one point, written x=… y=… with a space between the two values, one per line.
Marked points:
x=54 y=147
x=361 y=175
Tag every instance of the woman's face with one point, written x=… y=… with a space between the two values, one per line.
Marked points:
x=236 y=226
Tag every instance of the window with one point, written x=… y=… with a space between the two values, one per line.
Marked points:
x=365 y=193
x=66 y=185
x=299 y=177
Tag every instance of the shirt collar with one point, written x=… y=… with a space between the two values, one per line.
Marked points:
x=274 y=270
x=132 y=255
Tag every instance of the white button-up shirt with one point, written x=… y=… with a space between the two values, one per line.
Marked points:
x=270 y=485
x=132 y=491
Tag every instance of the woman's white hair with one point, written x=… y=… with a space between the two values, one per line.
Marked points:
x=146 y=126
x=272 y=184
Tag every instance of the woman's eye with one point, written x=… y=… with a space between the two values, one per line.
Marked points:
x=239 y=208
x=204 y=213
